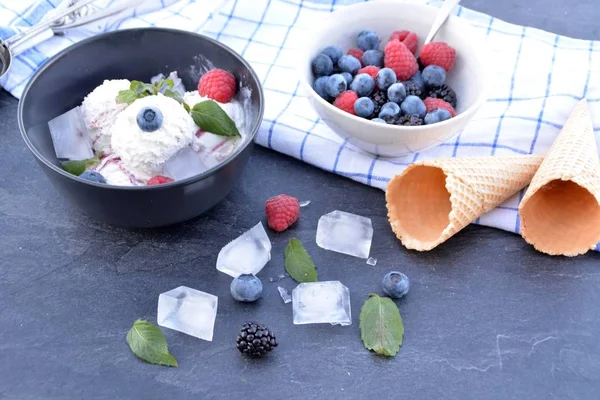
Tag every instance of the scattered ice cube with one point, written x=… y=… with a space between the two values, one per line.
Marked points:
x=246 y=254
x=189 y=311
x=70 y=136
x=277 y=278
x=285 y=295
x=322 y=302
x=304 y=203
x=372 y=261
x=345 y=233
x=184 y=164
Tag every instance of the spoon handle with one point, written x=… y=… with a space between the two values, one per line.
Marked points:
x=442 y=16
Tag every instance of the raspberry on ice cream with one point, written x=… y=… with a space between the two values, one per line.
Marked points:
x=100 y=109
x=218 y=85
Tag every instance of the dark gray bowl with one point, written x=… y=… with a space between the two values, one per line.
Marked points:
x=136 y=54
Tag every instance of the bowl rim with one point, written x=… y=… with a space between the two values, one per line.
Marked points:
x=209 y=172
x=314 y=36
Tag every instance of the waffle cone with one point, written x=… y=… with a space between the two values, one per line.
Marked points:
x=433 y=200
x=560 y=212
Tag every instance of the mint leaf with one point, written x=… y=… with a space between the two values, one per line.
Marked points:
x=142 y=89
x=148 y=343
x=126 y=96
x=381 y=327
x=174 y=95
x=78 y=167
x=298 y=263
x=211 y=118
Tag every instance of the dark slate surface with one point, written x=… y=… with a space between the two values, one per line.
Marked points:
x=487 y=317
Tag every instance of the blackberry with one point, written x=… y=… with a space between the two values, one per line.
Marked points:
x=413 y=89
x=410 y=120
x=255 y=340
x=445 y=93
x=391 y=120
x=379 y=98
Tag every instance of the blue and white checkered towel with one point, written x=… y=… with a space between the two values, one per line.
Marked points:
x=537 y=79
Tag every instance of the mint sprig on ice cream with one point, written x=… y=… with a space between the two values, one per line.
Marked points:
x=207 y=115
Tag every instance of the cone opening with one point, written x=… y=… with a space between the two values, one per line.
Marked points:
x=422 y=205
x=561 y=218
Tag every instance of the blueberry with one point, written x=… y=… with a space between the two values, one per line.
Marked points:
x=396 y=93
x=437 y=115
x=322 y=65
x=373 y=57
x=379 y=120
x=335 y=85
x=149 y=119
x=395 y=284
x=363 y=85
x=348 y=63
x=319 y=87
x=246 y=288
x=434 y=75
x=389 y=109
x=348 y=77
x=93 y=176
x=364 y=107
x=385 y=78
x=367 y=40
x=418 y=79
x=334 y=52
x=413 y=105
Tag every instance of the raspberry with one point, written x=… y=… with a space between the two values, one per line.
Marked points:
x=409 y=39
x=438 y=53
x=345 y=101
x=158 y=180
x=218 y=85
x=371 y=70
x=432 y=103
x=358 y=53
x=282 y=211
x=399 y=58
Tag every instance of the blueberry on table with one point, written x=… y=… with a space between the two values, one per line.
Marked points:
x=373 y=57
x=363 y=85
x=319 y=87
x=395 y=284
x=348 y=63
x=368 y=40
x=334 y=52
x=322 y=65
x=396 y=93
x=93 y=176
x=434 y=76
x=246 y=288
x=364 y=107
x=386 y=77
x=335 y=85
x=437 y=115
x=413 y=105
x=149 y=119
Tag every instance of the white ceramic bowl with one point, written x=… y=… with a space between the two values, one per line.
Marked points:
x=467 y=77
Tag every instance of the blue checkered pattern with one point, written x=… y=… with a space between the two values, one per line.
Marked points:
x=536 y=79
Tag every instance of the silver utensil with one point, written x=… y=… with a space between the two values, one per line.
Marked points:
x=442 y=16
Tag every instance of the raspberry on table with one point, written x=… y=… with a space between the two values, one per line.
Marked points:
x=433 y=103
x=217 y=84
x=438 y=53
x=370 y=69
x=158 y=180
x=399 y=58
x=356 y=53
x=445 y=93
x=345 y=101
x=282 y=211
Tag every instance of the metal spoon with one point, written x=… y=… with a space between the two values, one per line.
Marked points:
x=442 y=16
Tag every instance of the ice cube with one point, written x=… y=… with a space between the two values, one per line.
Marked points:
x=322 y=302
x=372 y=261
x=189 y=311
x=246 y=254
x=345 y=233
x=285 y=295
x=70 y=136
x=184 y=164
x=177 y=83
x=304 y=203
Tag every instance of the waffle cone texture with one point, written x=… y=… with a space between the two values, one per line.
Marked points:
x=433 y=200
x=560 y=212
